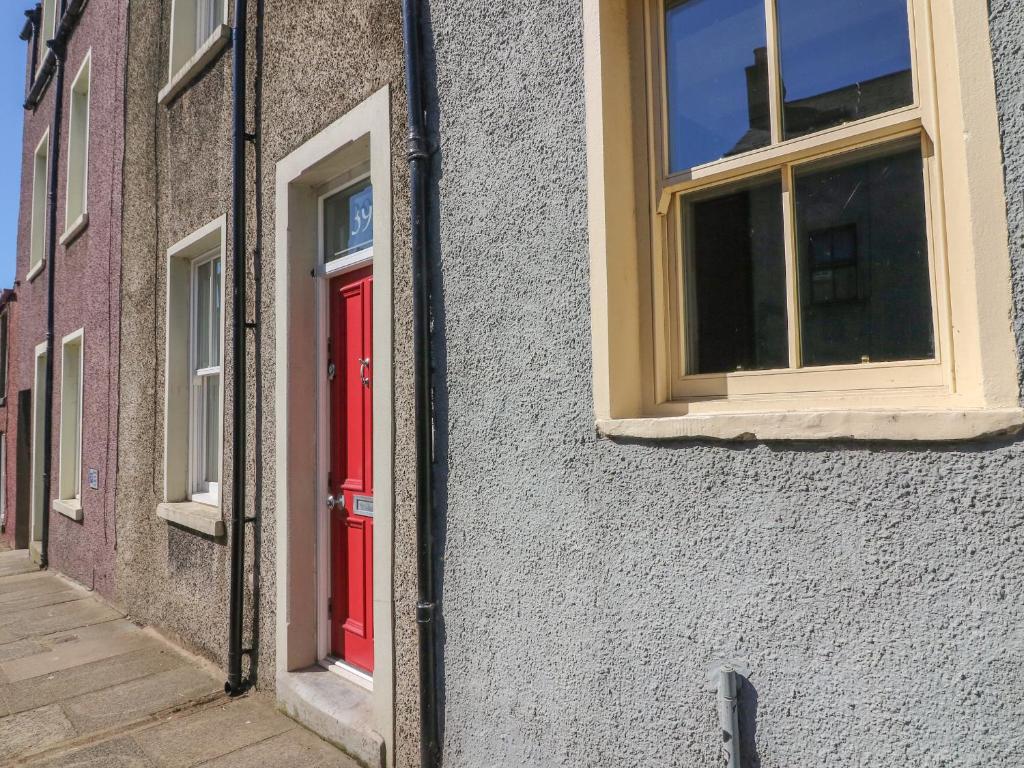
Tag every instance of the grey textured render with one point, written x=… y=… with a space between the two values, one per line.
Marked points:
x=873 y=589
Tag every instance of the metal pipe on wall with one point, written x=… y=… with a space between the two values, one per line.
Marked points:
x=729 y=716
x=419 y=170
x=239 y=138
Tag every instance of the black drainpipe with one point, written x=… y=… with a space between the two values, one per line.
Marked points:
x=419 y=170
x=239 y=137
x=58 y=46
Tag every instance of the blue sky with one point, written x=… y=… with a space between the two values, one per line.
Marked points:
x=12 y=94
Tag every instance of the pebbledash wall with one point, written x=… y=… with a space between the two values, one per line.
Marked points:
x=310 y=65
x=86 y=298
x=874 y=589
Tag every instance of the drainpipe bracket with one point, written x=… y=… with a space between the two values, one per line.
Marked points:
x=425 y=613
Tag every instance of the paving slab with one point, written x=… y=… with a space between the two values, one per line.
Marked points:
x=132 y=701
x=34 y=730
x=67 y=684
x=297 y=748
x=57 y=618
x=16 y=561
x=19 y=649
x=82 y=686
x=13 y=587
x=211 y=733
x=20 y=602
x=75 y=647
x=116 y=753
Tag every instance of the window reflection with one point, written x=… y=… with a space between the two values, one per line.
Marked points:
x=863 y=260
x=348 y=221
x=717 y=69
x=737 y=302
x=842 y=61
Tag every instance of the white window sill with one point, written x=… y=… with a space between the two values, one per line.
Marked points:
x=191 y=69
x=71 y=508
x=75 y=230
x=880 y=425
x=34 y=272
x=201 y=518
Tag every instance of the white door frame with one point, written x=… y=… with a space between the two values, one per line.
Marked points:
x=363 y=134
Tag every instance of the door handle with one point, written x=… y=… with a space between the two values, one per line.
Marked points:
x=364 y=368
x=336 y=502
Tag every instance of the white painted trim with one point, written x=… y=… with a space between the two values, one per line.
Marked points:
x=196 y=64
x=347 y=672
x=35 y=271
x=195 y=516
x=77 y=228
x=35 y=497
x=73 y=228
x=893 y=425
x=38 y=219
x=74 y=493
x=350 y=263
x=178 y=366
x=70 y=508
x=299 y=177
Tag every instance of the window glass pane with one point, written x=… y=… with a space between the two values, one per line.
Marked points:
x=737 y=272
x=348 y=221
x=842 y=60
x=202 y=315
x=865 y=290
x=717 y=69
x=211 y=471
x=209 y=14
x=215 y=313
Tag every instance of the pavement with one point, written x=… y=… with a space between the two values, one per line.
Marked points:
x=82 y=686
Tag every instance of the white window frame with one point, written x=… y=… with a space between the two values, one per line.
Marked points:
x=352 y=260
x=47 y=29
x=72 y=391
x=76 y=198
x=971 y=391
x=5 y=352
x=201 y=490
x=187 y=56
x=182 y=505
x=40 y=207
x=3 y=480
x=38 y=417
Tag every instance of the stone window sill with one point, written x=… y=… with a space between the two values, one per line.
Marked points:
x=883 y=425
x=35 y=271
x=335 y=709
x=70 y=508
x=207 y=52
x=76 y=229
x=200 y=518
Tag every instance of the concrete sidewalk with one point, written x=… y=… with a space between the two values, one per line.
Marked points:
x=81 y=686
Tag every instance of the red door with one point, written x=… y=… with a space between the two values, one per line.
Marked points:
x=351 y=477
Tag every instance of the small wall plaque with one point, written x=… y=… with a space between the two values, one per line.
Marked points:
x=94 y=479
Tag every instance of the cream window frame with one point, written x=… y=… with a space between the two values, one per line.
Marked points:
x=76 y=198
x=40 y=207
x=72 y=389
x=632 y=248
x=782 y=159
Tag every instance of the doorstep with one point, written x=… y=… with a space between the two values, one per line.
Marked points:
x=333 y=708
